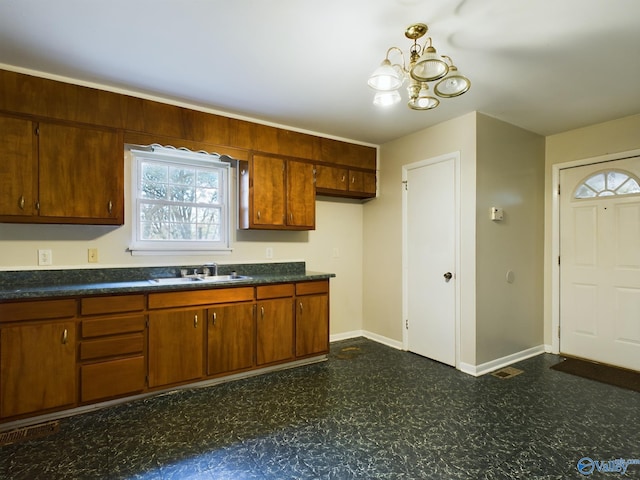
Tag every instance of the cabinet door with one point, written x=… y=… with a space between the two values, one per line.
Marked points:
x=230 y=338
x=175 y=346
x=331 y=178
x=312 y=325
x=267 y=191
x=18 y=167
x=274 y=327
x=81 y=174
x=301 y=195
x=362 y=182
x=37 y=367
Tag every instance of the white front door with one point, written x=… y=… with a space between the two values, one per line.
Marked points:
x=600 y=262
x=430 y=258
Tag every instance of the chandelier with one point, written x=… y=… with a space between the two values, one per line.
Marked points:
x=425 y=65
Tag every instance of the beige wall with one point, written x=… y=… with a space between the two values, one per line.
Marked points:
x=383 y=229
x=339 y=226
x=510 y=175
x=500 y=165
x=621 y=135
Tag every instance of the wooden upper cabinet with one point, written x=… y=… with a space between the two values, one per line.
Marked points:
x=331 y=178
x=276 y=194
x=362 y=182
x=18 y=167
x=344 y=182
x=268 y=192
x=301 y=195
x=348 y=154
x=81 y=175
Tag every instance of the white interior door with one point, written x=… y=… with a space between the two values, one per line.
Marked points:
x=430 y=259
x=600 y=262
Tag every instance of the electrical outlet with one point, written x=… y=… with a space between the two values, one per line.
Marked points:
x=92 y=255
x=269 y=252
x=45 y=257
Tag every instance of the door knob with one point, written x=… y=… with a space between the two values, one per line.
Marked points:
x=447 y=276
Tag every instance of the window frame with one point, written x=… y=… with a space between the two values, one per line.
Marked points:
x=598 y=194
x=179 y=156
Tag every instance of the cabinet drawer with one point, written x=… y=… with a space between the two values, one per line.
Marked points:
x=309 y=288
x=99 y=327
x=111 y=347
x=274 y=291
x=200 y=297
x=113 y=304
x=111 y=379
x=12 y=312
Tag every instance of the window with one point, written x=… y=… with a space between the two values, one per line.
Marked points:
x=180 y=201
x=608 y=183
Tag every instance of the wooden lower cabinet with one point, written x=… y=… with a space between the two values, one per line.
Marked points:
x=37 y=367
x=112 y=362
x=176 y=346
x=230 y=338
x=312 y=325
x=102 y=380
x=59 y=354
x=312 y=318
x=274 y=330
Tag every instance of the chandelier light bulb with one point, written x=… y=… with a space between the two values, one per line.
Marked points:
x=453 y=85
x=386 y=99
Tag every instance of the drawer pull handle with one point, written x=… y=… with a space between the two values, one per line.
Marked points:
x=214 y=317
x=258 y=214
x=343 y=179
x=262 y=311
x=195 y=321
x=300 y=307
x=21 y=202
x=110 y=206
x=65 y=336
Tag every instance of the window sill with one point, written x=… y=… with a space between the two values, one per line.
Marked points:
x=137 y=251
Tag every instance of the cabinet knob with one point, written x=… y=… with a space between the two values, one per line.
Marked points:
x=21 y=202
x=65 y=336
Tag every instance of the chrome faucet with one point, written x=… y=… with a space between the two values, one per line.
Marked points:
x=210 y=269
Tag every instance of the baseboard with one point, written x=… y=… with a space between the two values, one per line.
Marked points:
x=483 y=368
x=346 y=335
x=371 y=336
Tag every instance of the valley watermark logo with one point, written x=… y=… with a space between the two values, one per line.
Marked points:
x=586 y=465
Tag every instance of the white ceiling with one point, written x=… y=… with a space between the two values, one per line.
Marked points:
x=545 y=65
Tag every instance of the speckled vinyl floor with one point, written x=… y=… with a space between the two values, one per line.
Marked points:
x=370 y=412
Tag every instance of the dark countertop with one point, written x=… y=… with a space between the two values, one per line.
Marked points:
x=37 y=284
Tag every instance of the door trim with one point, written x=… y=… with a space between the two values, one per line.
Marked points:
x=455 y=156
x=555 y=233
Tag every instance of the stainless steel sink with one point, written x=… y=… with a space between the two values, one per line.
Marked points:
x=199 y=279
